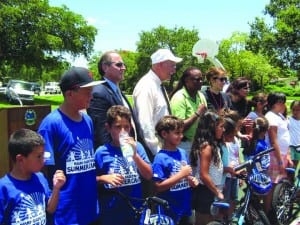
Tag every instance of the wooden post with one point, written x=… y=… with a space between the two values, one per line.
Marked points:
x=15 y=118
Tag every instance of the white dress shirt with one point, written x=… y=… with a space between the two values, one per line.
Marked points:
x=149 y=106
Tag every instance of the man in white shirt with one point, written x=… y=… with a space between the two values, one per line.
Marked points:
x=150 y=101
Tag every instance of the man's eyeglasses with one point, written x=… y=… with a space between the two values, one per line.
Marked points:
x=222 y=79
x=197 y=79
x=119 y=64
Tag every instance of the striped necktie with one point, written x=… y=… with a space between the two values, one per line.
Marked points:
x=118 y=92
x=166 y=98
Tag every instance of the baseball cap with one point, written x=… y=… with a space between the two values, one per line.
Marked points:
x=77 y=77
x=162 y=55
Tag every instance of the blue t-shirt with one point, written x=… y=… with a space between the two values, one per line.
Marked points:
x=24 y=201
x=114 y=208
x=262 y=145
x=165 y=164
x=69 y=147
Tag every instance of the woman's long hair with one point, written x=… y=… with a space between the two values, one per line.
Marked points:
x=206 y=135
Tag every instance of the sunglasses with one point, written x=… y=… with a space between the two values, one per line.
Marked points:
x=222 y=79
x=199 y=79
x=119 y=64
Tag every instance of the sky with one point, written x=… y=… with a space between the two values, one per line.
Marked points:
x=120 y=22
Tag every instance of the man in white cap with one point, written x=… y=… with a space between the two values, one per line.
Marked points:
x=150 y=99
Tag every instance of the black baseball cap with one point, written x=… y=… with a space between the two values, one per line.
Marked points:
x=77 y=77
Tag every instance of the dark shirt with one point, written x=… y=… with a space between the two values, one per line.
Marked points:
x=215 y=102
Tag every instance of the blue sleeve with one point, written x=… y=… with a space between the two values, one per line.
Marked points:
x=46 y=129
x=159 y=167
x=99 y=158
x=142 y=153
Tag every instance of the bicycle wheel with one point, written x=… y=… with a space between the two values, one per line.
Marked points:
x=281 y=202
x=256 y=217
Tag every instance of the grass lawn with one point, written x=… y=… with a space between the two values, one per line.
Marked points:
x=56 y=100
x=53 y=100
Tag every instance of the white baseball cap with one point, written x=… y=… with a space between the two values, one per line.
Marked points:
x=162 y=55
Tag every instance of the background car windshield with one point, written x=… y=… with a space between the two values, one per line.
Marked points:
x=21 y=86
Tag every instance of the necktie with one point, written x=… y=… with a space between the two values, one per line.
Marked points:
x=166 y=97
x=118 y=92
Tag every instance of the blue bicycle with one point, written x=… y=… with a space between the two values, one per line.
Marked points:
x=249 y=210
x=286 y=196
x=151 y=211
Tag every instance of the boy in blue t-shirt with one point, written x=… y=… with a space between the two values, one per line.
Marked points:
x=24 y=192
x=68 y=134
x=118 y=175
x=172 y=172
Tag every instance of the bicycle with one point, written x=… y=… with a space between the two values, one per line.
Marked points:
x=249 y=210
x=286 y=196
x=151 y=210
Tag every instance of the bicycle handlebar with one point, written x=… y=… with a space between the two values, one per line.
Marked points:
x=251 y=161
x=158 y=201
x=296 y=147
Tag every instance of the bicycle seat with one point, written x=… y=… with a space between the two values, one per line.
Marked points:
x=290 y=170
x=223 y=205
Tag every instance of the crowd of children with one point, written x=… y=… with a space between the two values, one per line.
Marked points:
x=189 y=182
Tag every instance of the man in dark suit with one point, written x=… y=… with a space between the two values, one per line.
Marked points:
x=111 y=67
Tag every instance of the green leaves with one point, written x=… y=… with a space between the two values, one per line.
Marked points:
x=32 y=33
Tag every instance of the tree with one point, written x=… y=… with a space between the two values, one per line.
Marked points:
x=280 y=41
x=36 y=35
x=240 y=62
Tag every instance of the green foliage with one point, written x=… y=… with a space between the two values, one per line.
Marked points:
x=131 y=74
x=286 y=89
x=280 y=40
x=36 y=35
x=240 y=62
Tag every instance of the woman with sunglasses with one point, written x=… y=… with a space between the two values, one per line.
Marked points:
x=215 y=97
x=188 y=103
x=238 y=91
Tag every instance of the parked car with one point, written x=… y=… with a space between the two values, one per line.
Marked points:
x=19 y=91
x=52 y=88
x=36 y=88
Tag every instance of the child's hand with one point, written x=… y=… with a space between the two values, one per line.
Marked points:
x=186 y=170
x=220 y=195
x=59 y=179
x=115 y=179
x=132 y=142
x=193 y=181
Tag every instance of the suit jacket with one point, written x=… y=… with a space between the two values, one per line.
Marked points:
x=103 y=97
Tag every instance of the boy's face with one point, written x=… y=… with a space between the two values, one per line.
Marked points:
x=173 y=137
x=82 y=97
x=34 y=162
x=116 y=127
